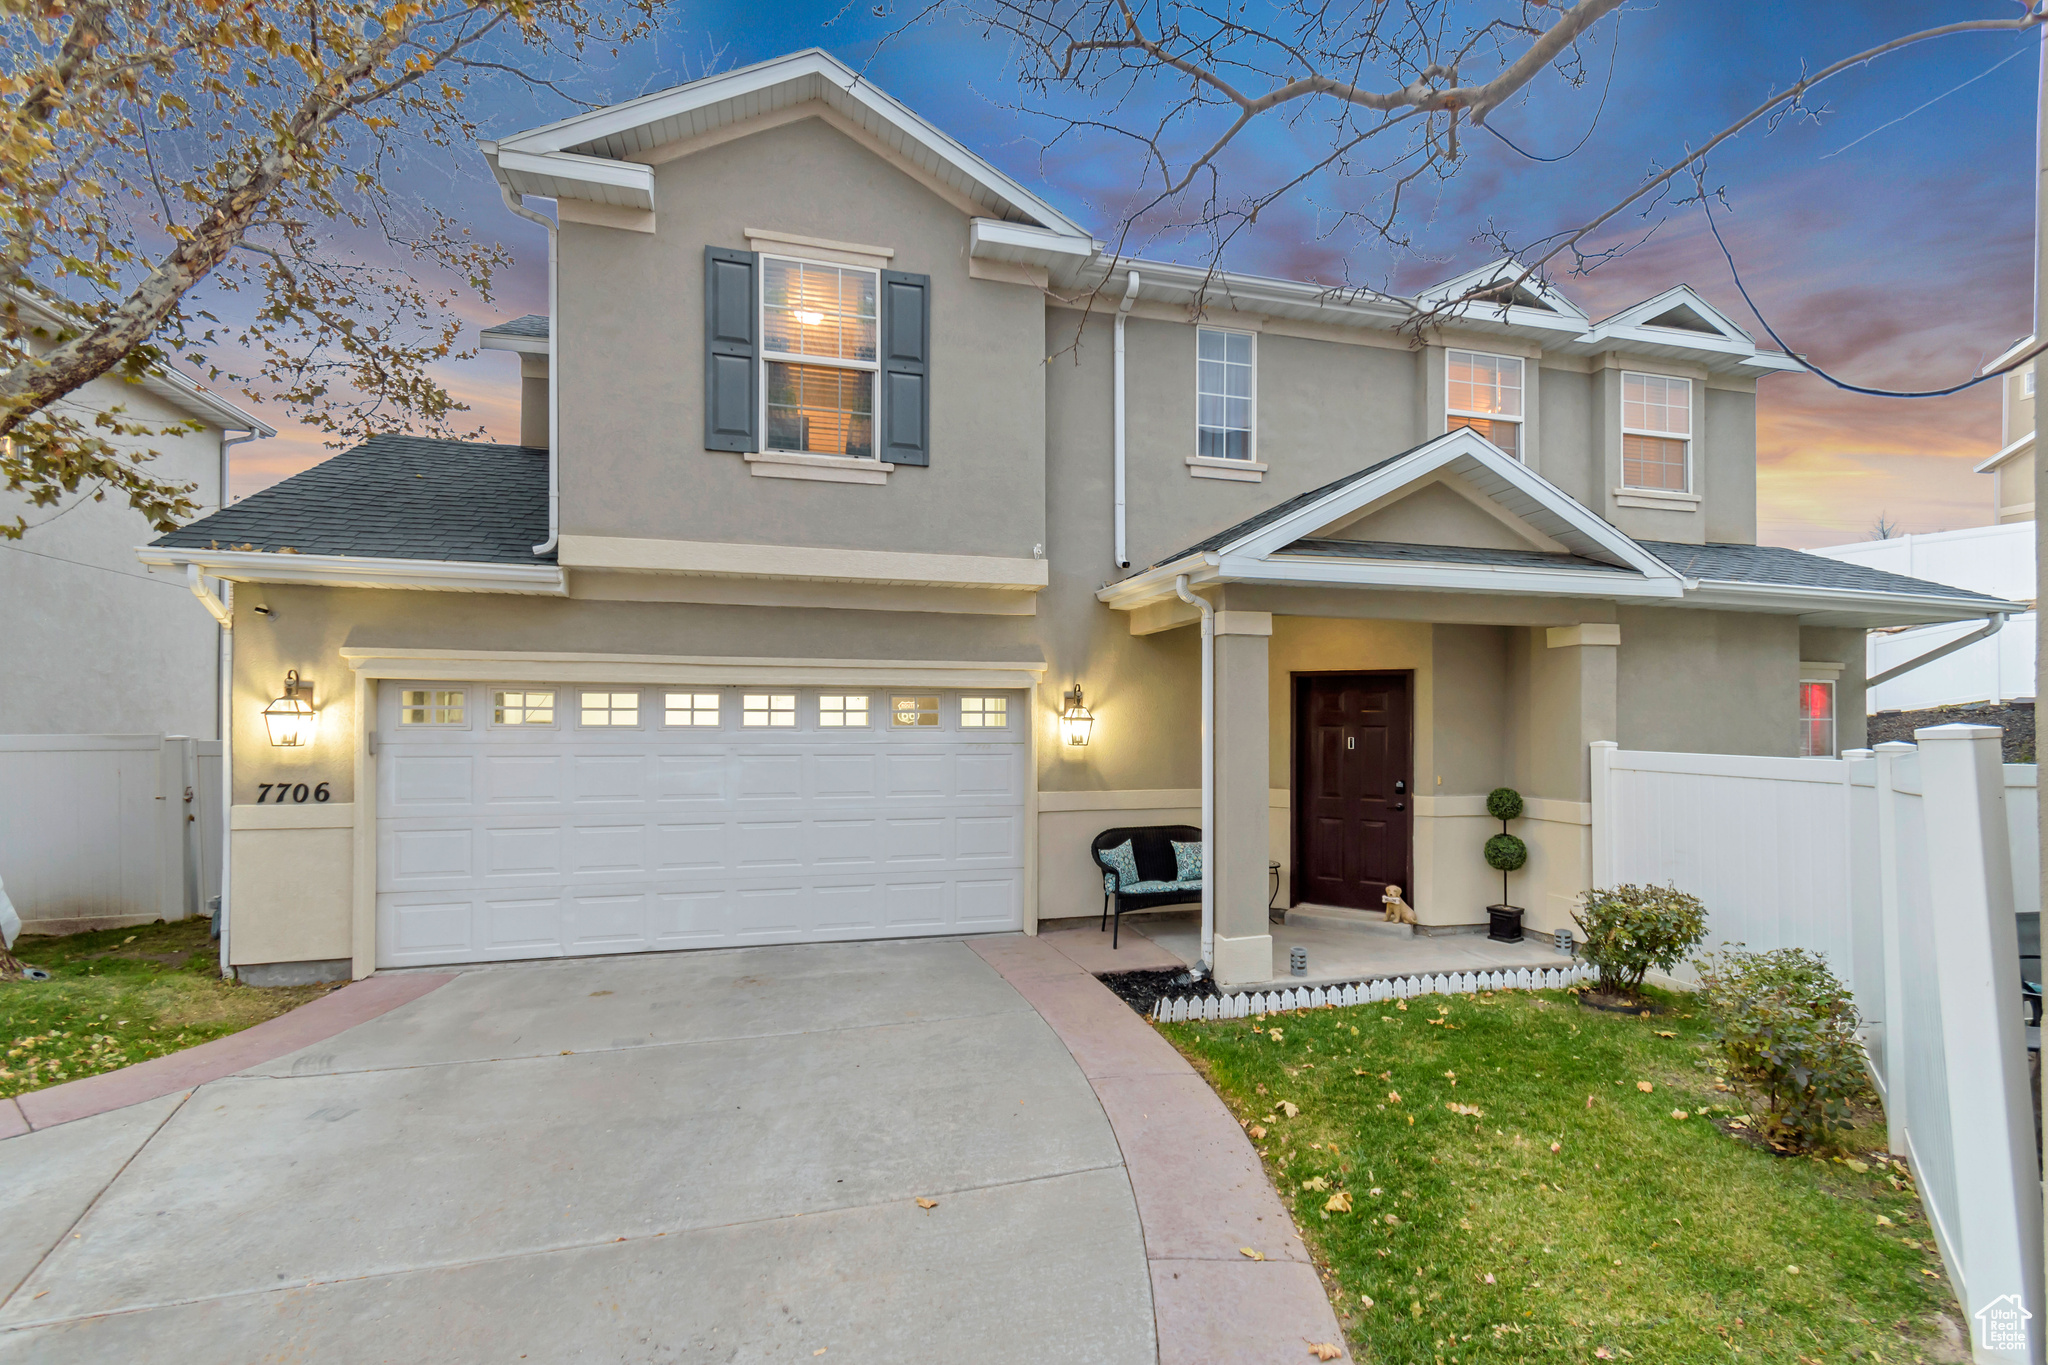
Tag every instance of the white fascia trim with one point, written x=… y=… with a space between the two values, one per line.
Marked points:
x=1488 y=578
x=2017 y=348
x=992 y=239
x=178 y=389
x=348 y=571
x=749 y=80
x=1498 y=272
x=1718 y=592
x=1427 y=459
x=493 y=341
x=554 y=175
x=1636 y=314
x=1359 y=306
x=513 y=666
x=2006 y=454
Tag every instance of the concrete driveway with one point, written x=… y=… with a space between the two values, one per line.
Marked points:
x=696 y=1157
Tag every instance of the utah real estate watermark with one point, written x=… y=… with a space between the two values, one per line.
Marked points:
x=2002 y=1324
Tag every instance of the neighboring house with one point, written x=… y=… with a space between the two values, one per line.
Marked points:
x=1995 y=560
x=94 y=643
x=2012 y=468
x=859 y=499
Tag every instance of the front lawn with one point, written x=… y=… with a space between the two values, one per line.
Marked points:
x=122 y=996
x=1513 y=1177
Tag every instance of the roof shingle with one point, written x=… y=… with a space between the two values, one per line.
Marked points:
x=395 y=497
x=533 y=325
x=1792 y=568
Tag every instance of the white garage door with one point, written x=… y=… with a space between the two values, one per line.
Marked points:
x=519 y=821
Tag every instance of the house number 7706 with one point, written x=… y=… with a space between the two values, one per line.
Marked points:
x=288 y=791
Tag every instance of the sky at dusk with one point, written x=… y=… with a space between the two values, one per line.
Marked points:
x=1888 y=242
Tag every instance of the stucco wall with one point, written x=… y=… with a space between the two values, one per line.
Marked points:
x=93 y=643
x=1709 y=682
x=632 y=355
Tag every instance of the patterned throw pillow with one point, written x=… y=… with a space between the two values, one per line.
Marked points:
x=1187 y=861
x=1123 y=860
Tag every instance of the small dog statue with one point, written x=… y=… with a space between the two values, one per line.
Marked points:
x=1398 y=910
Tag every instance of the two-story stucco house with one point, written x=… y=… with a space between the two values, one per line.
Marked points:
x=856 y=473
x=2011 y=467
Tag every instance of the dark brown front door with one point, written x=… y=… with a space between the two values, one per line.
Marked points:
x=1353 y=787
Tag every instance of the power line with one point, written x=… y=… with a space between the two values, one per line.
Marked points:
x=1729 y=256
x=1590 y=128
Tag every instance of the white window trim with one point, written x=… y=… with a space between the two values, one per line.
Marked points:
x=468 y=721
x=770 y=462
x=524 y=689
x=1830 y=678
x=639 y=709
x=1521 y=422
x=1250 y=469
x=1673 y=499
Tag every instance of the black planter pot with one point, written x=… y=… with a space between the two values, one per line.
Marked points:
x=1504 y=923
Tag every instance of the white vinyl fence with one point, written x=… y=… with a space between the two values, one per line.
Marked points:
x=1906 y=868
x=103 y=830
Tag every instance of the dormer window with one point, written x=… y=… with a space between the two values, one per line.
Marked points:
x=1485 y=394
x=1656 y=432
x=818 y=332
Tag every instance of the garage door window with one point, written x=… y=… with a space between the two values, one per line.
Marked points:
x=426 y=707
x=699 y=709
x=984 y=713
x=774 y=709
x=610 y=710
x=919 y=711
x=839 y=711
x=523 y=708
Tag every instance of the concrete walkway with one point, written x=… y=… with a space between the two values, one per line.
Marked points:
x=696 y=1156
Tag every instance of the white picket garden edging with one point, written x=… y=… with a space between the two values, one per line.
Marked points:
x=1210 y=1007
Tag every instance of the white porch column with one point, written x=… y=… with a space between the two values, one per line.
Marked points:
x=1239 y=843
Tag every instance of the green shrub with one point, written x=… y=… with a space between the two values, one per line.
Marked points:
x=1506 y=853
x=1631 y=929
x=1504 y=804
x=1787 y=1030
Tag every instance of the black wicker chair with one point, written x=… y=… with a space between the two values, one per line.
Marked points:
x=1153 y=847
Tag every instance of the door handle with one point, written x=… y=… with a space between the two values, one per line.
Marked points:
x=1400 y=805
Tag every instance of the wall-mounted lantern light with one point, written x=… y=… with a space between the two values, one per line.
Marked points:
x=1076 y=724
x=290 y=718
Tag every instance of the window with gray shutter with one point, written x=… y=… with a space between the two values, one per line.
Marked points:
x=731 y=350
x=906 y=368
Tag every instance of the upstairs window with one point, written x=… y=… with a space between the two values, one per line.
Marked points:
x=1223 y=394
x=1484 y=393
x=818 y=338
x=1656 y=432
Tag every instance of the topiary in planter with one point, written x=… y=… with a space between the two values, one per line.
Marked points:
x=1787 y=1031
x=1631 y=929
x=1504 y=804
x=1504 y=854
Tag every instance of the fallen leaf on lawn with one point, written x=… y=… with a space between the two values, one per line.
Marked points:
x=1251 y=1255
x=1489 y=1277
x=1860 y=1167
x=1680 y=1114
x=1665 y=1033
x=1275 y=1034
x=1791 y=1270
x=1589 y=1101
x=1400 y=1004
x=1257 y=1132
x=927 y=1203
x=1393 y=1097
x=1340 y=1202
x=1319 y=1184
x=1364 y=1301
x=1469 y=1110
x=1290 y=1108
x=1375 y=1191
x=1883 y=1221
x=1645 y=1087
x=1392 y=1221
x=1411 y=1120
x=1557 y=1146
x=1323 y=1350
x=1603 y=1354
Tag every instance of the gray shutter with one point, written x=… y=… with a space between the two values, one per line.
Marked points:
x=906 y=368
x=732 y=370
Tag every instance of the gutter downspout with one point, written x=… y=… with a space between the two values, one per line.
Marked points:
x=517 y=204
x=1180 y=585
x=1123 y=553
x=227 y=750
x=1992 y=625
